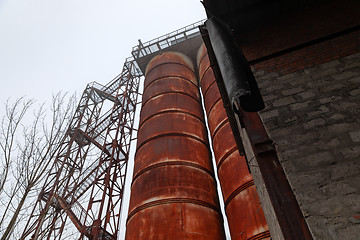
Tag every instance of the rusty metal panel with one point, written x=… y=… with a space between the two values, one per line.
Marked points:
x=172 y=220
x=173 y=193
x=174 y=85
x=242 y=205
x=217 y=118
x=252 y=218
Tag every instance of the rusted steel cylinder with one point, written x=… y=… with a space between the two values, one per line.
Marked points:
x=243 y=210
x=173 y=192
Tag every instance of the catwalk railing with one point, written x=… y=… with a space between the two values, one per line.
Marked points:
x=82 y=193
x=167 y=40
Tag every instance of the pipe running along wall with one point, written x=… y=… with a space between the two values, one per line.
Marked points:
x=242 y=206
x=173 y=193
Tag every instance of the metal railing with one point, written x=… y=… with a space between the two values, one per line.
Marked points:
x=167 y=40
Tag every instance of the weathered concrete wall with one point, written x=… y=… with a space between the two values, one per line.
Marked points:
x=313 y=115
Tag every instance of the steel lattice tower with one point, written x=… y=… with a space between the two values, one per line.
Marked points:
x=86 y=181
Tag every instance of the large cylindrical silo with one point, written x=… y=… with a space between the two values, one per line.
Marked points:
x=243 y=210
x=173 y=193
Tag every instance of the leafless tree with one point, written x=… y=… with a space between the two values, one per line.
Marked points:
x=28 y=144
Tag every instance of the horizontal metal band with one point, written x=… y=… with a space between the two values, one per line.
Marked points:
x=237 y=191
x=173 y=163
x=262 y=235
x=171 y=201
x=168 y=77
x=228 y=153
x=219 y=126
x=171 y=111
x=176 y=135
x=170 y=92
x=211 y=108
x=164 y=63
x=202 y=77
x=207 y=90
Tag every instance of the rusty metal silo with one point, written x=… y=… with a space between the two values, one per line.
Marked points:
x=244 y=213
x=173 y=193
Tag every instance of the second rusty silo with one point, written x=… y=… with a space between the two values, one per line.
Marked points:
x=244 y=213
x=173 y=193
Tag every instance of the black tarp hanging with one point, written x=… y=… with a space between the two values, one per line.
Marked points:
x=239 y=81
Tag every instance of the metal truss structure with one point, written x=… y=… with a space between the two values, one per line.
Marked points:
x=82 y=194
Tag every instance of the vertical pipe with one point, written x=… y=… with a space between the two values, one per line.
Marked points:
x=173 y=193
x=244 y=213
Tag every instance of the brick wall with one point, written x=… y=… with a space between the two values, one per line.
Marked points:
x=314 y=54
x=312 y=113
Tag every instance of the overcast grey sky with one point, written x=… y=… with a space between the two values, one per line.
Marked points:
x=48 y=46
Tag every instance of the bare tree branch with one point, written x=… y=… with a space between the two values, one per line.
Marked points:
x=26 y=150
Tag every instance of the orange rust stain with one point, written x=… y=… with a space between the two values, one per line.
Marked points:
x=244 y=213
x=173 y=193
